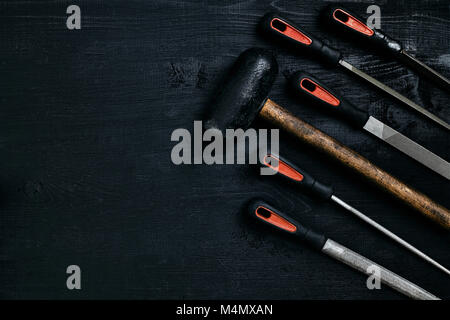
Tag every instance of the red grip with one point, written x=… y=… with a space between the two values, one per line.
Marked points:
x=283 y=168
x=319 y=92
x=289 y=31
x=351 y=22
x=271 y=217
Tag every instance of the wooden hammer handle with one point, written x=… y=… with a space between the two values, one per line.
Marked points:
x=277 y=115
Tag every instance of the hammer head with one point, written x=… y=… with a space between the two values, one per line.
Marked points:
x=244 y=91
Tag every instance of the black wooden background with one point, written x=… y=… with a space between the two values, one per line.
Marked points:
x=86 y=177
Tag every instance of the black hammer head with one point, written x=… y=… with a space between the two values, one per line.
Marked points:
x=244 y=91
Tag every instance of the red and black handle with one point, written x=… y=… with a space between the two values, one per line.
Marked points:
x=263 y=212
x=307 y=86
x=281 y=29
x=298 y=176
x=343 y=20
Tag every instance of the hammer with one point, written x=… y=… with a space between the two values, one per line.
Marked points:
x=243 y=96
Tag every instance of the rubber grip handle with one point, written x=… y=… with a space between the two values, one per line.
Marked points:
x=284 y=31
x=307 y=86
x=298 y=176
x=343 y=20
x=264 y=212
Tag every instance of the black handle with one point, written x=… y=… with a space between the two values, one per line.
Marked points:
x=298 y=176
x=311 y=88
x=285 y=31
x=267 y=214
x=343 y=20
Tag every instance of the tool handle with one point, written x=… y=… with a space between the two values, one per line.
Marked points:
x=298 y=176
x=307 y=86
x=267 y=214
x=309 y=135
x=285 y=31
x=343 y=20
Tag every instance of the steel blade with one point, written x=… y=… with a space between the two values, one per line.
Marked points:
x=364 y=265
x=388 y=233
x=407 y=146
x=422 y=68
x=394 y=94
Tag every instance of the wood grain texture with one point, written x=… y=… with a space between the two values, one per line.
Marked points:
x=306 y=133
x=86 y=178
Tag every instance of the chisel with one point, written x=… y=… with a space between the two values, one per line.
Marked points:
x=300 y=178
x=309 y=87
x=341 y=19
x=269 y=215
x=280 y=28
